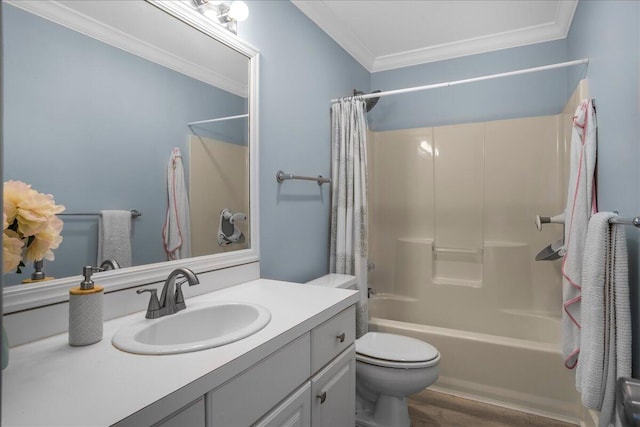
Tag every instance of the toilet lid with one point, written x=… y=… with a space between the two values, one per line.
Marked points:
x=398 y=348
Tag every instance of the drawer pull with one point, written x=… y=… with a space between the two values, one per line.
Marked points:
x=341 y=337
x=322 y=397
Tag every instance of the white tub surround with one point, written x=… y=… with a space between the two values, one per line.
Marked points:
x=48 y=382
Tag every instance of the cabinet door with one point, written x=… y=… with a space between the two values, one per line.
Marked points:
x=191 y=416
x=295 y=411
x=243 y=400
x=333 y=392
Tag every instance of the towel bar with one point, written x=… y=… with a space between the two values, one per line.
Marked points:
x=626 y=221
x=281 y=177
x=134 y=213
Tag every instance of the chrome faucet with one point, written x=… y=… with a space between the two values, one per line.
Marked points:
x=110 y=264
x=171 y=299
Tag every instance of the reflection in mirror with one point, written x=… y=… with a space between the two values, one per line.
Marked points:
x=95 y=125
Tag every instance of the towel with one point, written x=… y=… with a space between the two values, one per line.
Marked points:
x=176 y=233
x=581 y=204
x=605 y=336
x=114 y=237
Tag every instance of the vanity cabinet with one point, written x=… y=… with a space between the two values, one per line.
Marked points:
x=308 y=382
x=327 y=400
x=191 y=416
x=295 y=411
x=296 y=371
x=334 y=392
x=244 y=399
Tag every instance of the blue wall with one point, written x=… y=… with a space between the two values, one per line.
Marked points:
x=94 y=126
x=301 y=70
x=608 y=32
x=527 y=95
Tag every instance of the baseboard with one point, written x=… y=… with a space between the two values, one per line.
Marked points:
x=509 y=399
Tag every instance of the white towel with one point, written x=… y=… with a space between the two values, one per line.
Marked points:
x=581 y=204
x=176 y=233
x=606 y=317
x=114 y=237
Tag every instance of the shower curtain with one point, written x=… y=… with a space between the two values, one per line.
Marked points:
x=349 y=207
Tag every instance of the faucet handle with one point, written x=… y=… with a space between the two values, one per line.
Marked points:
x=153 y=309
x=179 y=297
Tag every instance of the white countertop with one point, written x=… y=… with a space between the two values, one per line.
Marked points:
x=50 y=383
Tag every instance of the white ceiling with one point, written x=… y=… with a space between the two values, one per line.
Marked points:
x=384 y=35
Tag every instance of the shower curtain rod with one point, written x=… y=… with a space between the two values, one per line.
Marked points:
x=471 y=80
x=240 y=116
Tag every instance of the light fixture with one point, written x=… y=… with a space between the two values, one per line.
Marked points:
x=226 y=15
x=238 y=10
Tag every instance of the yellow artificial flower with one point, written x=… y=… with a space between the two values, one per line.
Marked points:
x=32 y=209
x=30 y=225
x=11 y=250
x=45 y=241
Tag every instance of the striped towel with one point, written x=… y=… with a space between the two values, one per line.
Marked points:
x=605 y=335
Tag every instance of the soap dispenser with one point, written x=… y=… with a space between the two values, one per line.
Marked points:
x=85 y=310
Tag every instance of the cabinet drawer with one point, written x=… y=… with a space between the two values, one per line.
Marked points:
x=332 y=337
x=244 y=399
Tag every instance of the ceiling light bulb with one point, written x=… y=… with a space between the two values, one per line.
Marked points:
x=210 y=11
x=238 y=10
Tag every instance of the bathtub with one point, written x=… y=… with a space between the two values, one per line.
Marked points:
x=526 y=375
x=494 y=315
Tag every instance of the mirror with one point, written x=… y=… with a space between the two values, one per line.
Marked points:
x=94 y=103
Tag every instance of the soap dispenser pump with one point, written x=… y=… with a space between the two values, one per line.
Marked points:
x=85 y=310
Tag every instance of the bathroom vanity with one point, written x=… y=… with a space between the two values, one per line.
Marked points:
x=299 y=369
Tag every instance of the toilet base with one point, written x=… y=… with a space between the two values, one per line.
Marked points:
x=390 y=411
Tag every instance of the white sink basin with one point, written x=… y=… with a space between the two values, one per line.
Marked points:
x=198 y=327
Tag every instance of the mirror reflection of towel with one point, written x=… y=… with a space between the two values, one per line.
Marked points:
x=176 y=232
x=114 y=237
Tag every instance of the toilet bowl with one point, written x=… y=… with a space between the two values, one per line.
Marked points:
x=389 y=367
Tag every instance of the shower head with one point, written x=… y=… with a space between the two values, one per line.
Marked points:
x=370 y=102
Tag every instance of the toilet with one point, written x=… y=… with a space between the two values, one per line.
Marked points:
x=389 y=367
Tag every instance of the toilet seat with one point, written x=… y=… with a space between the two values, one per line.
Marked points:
x=395 y=364
x=395 y=351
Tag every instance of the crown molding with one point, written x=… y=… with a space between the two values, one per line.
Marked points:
x=324 y=18
x=320 y=14
x=67 y=17
x=495 y=42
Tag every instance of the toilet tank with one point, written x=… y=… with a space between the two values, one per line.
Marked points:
x=335 y=280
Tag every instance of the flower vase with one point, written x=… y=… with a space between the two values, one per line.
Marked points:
x=38 y=273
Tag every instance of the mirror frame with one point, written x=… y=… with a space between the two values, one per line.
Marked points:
x=29 y=296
